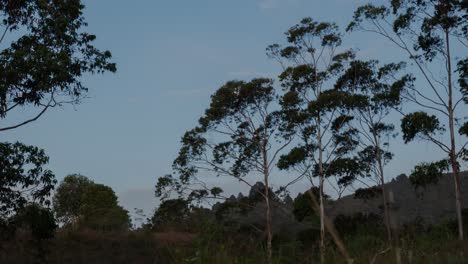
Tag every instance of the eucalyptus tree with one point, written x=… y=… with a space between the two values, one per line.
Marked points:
x=44 y=53
x=379 y=90
x=238 y=137
x=434 y=36
x=314 y=110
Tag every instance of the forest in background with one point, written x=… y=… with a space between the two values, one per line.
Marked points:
x=328 y=120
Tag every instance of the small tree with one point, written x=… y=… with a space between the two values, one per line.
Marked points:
x=302 y=208
x=237 y=137
x=171 y=213
x=68 y=198
x=100 y=210
x=314 y=110
x=38 y=220
x=23 y=178
x=428 y=32
x=378 y=90
x=82 y=203
x=47 y=54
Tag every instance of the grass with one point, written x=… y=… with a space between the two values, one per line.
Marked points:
x=437 y=244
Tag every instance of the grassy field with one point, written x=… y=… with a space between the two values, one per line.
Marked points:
x=437 y=244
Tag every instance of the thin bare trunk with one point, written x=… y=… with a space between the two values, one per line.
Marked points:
x=394 y=225
x=322 y=222
x=267 y=203
x=385 y=203
x=453 y=159
x=321 y=205
x=331 y=229
x=382 y=186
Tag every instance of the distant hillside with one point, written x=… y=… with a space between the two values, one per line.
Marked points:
x=434 y=203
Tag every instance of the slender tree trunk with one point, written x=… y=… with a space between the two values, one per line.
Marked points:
x=322 y=207
x=267 y=204
x=322 y=222
x=382 y=186
x=385 y=203
x=453 y=158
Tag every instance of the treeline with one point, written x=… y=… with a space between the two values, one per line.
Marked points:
x=332 y=122
x=328 y=120
x=77 y=203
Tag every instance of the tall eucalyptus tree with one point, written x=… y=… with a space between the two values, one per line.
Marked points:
x=314 y=110
x=237 y=137
x=433 y=35
x=378 y=91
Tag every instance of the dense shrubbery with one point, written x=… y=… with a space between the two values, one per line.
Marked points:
x=215 y=244
x=358 y=223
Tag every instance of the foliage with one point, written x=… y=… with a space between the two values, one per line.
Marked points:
x=241 y=123
x=348 y=225
x=256 y=194
x=367 y=193
x=38 y=220
x=303 y=205
x=23 y=177
x=173 y=212
x=43 y=66
x=419 y=123
x=68 y=197
x=376 y=91
x=428 y=33
x=100 y=210
x=426 y=244
x=426 y=174
x=314 y=112
x=237 y=136
x=79 y=202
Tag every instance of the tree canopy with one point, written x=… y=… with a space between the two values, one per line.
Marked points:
x=81 y=202
x=68 y=197
x=47 y=53
x=23 y=178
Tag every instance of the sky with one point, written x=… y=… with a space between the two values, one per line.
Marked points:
x=171 y=55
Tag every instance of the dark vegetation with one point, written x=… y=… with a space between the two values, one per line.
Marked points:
x=327 y=124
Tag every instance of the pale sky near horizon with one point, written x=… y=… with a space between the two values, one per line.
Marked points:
x=171 y=55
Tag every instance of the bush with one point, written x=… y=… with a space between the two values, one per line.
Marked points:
x=358 y=223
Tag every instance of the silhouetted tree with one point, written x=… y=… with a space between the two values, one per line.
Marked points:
x=171 y=213
x=40 y=222
x=47 y=53
x=100 y=210
x=378 y=91
x=303 y=205
x=425 y=174
x=428 y=32
x=68 y=198
x=237 y=136
x=314 y=110
x=82 y=203
x=23 y=178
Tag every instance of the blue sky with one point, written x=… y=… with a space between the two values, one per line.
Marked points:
x=171 y=56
